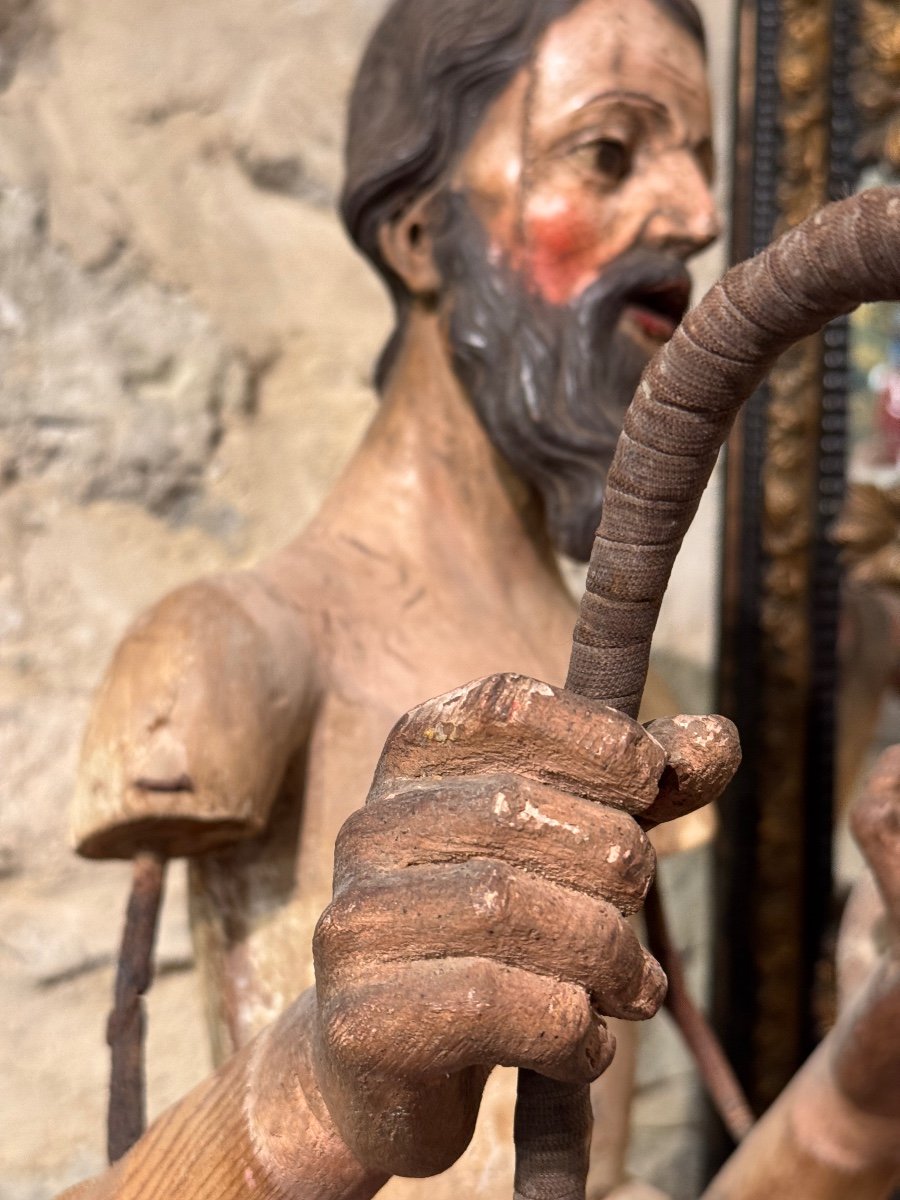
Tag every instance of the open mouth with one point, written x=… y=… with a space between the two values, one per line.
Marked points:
x=656 y=311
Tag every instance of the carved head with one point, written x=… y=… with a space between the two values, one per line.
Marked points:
x=538 y=171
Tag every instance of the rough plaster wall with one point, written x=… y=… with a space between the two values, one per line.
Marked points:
x=185 y=348
x=185 y=343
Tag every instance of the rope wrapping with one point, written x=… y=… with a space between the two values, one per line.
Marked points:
x=846 y=254
x=553 y=1138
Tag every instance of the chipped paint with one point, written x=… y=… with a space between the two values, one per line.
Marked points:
x=540 y=689
x=440 y=733
x=530 y=812
x=711 y=725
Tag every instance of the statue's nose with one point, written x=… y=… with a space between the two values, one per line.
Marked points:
x=687 y=218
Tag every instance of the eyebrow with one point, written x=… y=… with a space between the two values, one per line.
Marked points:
x=620 y=94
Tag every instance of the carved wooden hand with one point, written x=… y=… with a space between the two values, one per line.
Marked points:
x=478 y=912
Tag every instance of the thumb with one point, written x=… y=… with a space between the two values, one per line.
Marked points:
x=702 y=755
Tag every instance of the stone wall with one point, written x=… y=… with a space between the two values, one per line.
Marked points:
x=185 y=347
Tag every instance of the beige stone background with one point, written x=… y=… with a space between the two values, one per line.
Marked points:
x=185 y=348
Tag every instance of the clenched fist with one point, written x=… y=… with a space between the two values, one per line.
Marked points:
x=480 y=904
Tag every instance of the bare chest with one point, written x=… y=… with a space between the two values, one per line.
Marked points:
x=258 y=905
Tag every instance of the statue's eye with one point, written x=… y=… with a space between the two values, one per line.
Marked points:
x=612 y=159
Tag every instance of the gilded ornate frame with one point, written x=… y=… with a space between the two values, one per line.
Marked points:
x=817 y=92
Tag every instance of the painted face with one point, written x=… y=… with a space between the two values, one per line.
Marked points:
x=561 y=241
x=602 y=145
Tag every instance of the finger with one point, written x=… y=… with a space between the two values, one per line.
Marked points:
x=585 y=846
x=875 y=821
x=489 y=910
x=512 y=724
x=429 y=1018
x=702 y=755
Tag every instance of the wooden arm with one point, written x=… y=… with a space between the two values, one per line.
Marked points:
x=813 y=1144
x=256 y=1128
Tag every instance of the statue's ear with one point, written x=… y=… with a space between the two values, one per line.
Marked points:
x=407 y=247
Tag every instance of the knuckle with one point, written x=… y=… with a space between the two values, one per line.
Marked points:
x=637 y=870
x=492 y=700
x=645 y=990
x=500 y=680
x=392 y=762
x=345 y=846
x=332 y=941
x=653 y=988
x=643 y=862
x=501 y=801
x=618 y=944
x=481 y=994
x=875 y=823
x=323 y=936
x=503 y=685
x=630 y=983
x=344 y=1035
x=598 y=1051
x=628 y=848
x=490 y=890
x=621 y=862
x=399 y=733
x=574 y=1042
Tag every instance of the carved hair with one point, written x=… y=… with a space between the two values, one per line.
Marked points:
x=427 y=77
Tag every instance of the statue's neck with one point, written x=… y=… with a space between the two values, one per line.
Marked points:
x=427 y=484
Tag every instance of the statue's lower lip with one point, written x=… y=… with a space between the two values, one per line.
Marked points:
x=652 y=324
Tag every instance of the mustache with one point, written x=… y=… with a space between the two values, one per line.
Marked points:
x=588 y=346
x=594 y=357
x=550 y=382
x=651 y=278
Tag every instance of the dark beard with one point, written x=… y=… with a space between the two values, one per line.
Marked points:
x=550 y=383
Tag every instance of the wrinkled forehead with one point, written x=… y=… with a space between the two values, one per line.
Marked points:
x=598 y=47
x=633 y=44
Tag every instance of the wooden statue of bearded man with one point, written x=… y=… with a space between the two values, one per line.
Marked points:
x=529 y=179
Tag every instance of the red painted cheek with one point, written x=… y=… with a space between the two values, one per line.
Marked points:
x=563 y=254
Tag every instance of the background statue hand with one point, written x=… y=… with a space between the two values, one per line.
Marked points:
x=866 y=1049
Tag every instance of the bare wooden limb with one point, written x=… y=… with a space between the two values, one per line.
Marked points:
x=125 y=1028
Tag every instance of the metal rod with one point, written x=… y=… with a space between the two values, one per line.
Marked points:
x=127 y=1022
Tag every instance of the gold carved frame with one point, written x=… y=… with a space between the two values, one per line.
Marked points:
x=817 y=94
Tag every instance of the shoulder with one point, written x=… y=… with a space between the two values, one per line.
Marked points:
x=208 y=695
